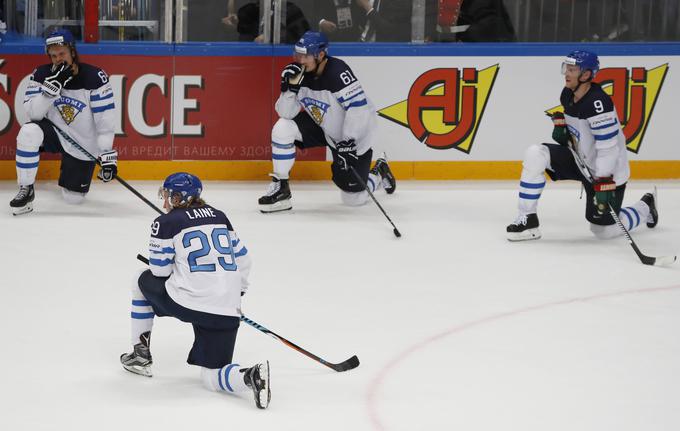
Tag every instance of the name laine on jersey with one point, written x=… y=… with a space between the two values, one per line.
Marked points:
x=200 y=213
x=69 y=108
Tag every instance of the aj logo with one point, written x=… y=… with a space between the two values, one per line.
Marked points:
x=444 y=109
x=634 y=92
x=69 y=108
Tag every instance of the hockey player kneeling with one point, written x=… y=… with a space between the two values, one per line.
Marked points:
x=323 y=104
x=587 y=132
x=77 y=99
x=198 y=271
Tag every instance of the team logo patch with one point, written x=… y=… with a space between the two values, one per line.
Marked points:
x=634 y=91
x=69 y=108
x=445 y=106
x=316 y=109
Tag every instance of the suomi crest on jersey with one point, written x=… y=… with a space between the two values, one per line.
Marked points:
x=316 y=108
x=69 y=108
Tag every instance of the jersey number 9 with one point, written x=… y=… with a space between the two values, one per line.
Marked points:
x=206 y=246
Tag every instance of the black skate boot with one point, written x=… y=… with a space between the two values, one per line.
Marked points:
x=650 y=200
x=139 y=360
x=257 y=379
x=524 y=228
x=23 y=201
x=383 y=169
x=277 y=197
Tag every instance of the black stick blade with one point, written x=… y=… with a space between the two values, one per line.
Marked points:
x=397 y=233
x=347 y=365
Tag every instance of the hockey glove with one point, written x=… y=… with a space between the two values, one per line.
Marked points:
x=605 y=193
x=291 y=78
x=560 y=132
x=62 y=73
x=347 y=154
x=108 y=165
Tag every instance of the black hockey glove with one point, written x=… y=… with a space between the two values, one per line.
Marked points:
x=62 y=73
x=291 y=78
x=108 y=165
x=560 y=132
x=347 y=154
x=605 y=194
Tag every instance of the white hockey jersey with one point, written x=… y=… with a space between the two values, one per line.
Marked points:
x=85 y=110
x=596 y=133
x=337 y=102
x=205 y=261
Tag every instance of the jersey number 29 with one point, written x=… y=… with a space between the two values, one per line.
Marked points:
x=206 y=245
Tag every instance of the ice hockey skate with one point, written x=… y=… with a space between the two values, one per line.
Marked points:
x=650 y=200
x=524 y=228
x=381 y=168
x=139 y=360
x=23 y=201
x=257 y=379
x=277 y=197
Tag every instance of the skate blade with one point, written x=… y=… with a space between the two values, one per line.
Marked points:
x=284 y=205
x=527 y=235
x=22 y=210
x=136 y=369
x=263 y=396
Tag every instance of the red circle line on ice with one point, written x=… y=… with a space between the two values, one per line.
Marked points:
x=377 y=382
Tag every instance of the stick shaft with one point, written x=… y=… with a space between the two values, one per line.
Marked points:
x=94 y=159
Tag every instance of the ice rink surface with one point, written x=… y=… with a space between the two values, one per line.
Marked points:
x=455 y=327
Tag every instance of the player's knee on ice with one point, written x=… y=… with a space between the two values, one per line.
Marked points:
x=354 y=199
x=73 y=198
x=536 y=159
x=605 y=232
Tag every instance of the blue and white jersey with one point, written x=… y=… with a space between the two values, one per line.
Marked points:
x=336 y=101
x=85 y=110
x=596 y=133
x=205 y=261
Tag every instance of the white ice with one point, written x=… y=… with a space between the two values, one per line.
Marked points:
x=455 y=327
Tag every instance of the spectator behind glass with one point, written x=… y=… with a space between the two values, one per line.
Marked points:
x=387 y=20
x=340 y=20
x=468 y=21
x=488 y=20
x=247 y=22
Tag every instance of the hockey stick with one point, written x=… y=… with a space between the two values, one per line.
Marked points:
x=647 y=260
x=365 y=186
x=94 y=159
x=349 y=364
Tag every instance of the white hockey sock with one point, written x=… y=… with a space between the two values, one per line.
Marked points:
x=225 y=379
x=283 y=159
x=532 y=181
x=632 y=216
x=374 y=182
x=529 y=192
x=29 y=139
x=141 y=315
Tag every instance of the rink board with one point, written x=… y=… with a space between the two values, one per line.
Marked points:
x=444 y=111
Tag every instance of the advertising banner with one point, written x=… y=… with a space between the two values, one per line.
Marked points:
x=430 y=108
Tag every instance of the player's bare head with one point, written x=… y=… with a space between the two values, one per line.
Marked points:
x=579 y=67
x=60 y=46
x=181 y=190
x=311 y=50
